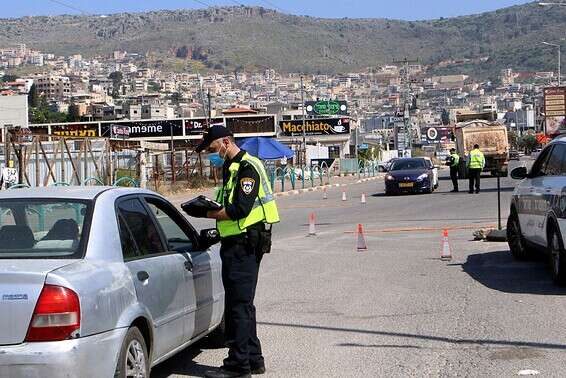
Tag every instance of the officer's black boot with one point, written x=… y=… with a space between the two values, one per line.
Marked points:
x=257 y=370
x=225 y=373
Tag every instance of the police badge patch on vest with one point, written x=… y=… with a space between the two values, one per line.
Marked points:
x=247 y=184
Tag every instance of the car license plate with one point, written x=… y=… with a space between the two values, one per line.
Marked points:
x=406 y=185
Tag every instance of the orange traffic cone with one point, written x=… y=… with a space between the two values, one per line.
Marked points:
x=363 y=198
x=312 y=228
x=446 y=251
x=344 y=195
x=324 y=194
x=361 y=245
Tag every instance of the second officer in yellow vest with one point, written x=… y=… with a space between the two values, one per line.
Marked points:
x=476 y=163
x=244 y=225
x=453 y=161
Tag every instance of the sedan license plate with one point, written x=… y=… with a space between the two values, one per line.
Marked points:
x=406 y=185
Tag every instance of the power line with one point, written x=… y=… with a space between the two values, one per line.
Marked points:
x=69 y=6
x=274 y=6
x=238 y=3
x=203 y=3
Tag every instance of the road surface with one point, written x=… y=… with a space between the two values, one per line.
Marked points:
x=326 y=310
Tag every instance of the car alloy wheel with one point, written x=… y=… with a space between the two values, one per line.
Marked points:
x=515 y=239
x=557 y=259
x=135 y=360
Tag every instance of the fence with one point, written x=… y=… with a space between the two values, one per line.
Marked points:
x=51 y=160
x=44 y=160
x=291 y=178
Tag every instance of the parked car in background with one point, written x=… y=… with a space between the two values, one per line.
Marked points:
x=537 y=219
x=514 y=155
x=409 y=175
x=101 y=282
x=434 y=168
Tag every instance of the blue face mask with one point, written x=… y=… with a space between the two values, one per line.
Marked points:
x=215 y=159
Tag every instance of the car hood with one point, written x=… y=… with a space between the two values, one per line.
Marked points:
x=412 y=173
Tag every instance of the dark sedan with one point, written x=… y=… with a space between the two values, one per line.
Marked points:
x=409 y=175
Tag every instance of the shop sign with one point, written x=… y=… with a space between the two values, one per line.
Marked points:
x=76 y=130
x=323 y=126
x=251 y=125
x=198 y=125
x=147 y=129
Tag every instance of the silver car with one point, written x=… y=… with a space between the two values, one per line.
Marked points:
x=101 y=282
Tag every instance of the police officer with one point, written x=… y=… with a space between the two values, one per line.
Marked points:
x=476 y=163
x=453 y=162
x=248 y=205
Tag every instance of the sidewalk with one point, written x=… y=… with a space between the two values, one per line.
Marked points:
x=336 y=181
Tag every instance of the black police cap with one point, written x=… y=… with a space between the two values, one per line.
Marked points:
x=210 y=135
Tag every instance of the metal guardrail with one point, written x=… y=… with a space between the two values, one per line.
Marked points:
x=126 y=179
x=313 y=176
x=95 y=179
x=19 y=186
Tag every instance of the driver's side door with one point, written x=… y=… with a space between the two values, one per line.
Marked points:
x=180 y=237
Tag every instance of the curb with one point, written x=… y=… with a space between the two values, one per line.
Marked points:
x=322 y=187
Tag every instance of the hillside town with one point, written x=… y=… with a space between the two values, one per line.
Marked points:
x=378 y=100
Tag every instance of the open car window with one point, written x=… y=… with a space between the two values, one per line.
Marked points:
x=43 y=228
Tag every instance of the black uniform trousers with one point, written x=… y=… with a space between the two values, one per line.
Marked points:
x=240 y=268
x=474 y=176
x=454 y=177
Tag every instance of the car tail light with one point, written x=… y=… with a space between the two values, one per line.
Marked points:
x=57 y=315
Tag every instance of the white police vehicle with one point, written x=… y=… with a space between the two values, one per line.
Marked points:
x=537 y=221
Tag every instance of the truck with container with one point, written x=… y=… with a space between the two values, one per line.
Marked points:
x=492 y=138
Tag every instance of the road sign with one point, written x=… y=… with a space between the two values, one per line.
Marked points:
x=10 y=176
x=554 y=109
x=321 y=108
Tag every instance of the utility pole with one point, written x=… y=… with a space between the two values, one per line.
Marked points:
x=304 y=127
x=172 y=154
x=209 y=105
x=406 y=77
x=559 y=47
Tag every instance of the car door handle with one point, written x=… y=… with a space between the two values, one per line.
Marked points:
x=188 y=261
x=189 y=265
x=143 y=275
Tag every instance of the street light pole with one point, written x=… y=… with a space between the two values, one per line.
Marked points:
x=304 y=128
x=559 y=56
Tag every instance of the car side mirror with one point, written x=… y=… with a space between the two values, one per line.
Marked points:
x=208 y=237
x=519 y=173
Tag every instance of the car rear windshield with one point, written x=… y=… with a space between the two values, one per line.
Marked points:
x=43 y=228
x=401 y=165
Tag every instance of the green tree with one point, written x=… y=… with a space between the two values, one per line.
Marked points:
x=445 y=116
x=153 y=86
x=73 y=115
x=33 y=100
x=7 y=78
x=43 y=114
x=116 y=78
x=528 y=143
x=513 y=138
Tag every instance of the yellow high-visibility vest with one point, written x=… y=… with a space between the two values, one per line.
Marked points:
x=476 y=160
x=264 y=208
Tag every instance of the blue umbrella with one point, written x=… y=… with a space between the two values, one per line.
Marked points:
x=265 y=148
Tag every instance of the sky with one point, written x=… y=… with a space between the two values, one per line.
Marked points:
x=395 y=9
